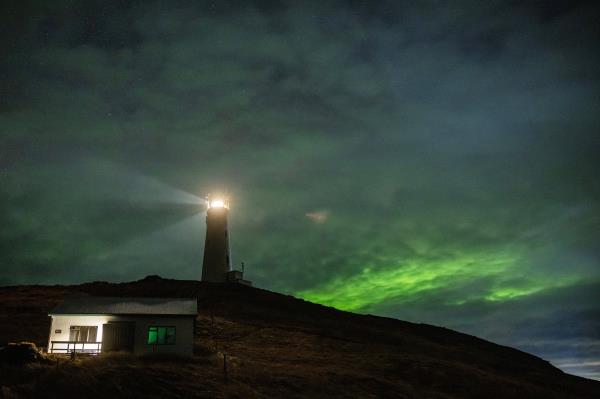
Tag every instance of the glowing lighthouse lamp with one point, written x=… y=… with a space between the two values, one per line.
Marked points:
x=217 y=203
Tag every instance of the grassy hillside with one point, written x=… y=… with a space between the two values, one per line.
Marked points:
x=278 y=346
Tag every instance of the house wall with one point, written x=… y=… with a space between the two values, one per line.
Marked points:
x=63 y=323
x=184 y=334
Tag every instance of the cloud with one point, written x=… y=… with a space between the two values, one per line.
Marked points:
x=456 y=144
x=317 y=216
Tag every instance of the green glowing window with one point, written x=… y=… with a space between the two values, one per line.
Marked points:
x=161 y=335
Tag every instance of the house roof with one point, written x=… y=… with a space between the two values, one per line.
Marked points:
x=84 y=304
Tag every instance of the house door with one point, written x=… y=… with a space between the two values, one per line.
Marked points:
x=118 y=336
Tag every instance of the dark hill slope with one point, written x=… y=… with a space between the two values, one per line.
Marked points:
x=280 y=346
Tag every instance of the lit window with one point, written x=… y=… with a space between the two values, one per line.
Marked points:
x=83 y=333
x=161 y=335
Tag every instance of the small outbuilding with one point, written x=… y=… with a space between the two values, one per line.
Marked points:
x=88 y=324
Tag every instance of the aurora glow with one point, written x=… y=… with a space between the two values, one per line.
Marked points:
x=431 y=161
x=404 y=282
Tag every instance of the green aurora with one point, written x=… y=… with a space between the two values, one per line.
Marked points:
x=431 y=161
x=405 y=281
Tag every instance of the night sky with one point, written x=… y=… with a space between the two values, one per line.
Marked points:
x=434 y=161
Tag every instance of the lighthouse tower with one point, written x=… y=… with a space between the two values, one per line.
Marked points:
x=217 y=263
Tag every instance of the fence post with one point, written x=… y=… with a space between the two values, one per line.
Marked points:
x=225 y=367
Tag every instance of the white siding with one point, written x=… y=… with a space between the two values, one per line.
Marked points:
x=184 y=334
x=63 y=324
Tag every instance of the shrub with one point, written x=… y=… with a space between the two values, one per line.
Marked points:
x=21 y=353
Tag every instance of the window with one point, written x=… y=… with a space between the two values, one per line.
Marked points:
x=161 y=335
x=83 y=333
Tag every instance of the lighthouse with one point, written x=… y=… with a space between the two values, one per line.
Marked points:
x=216 y=266
x=217 y=261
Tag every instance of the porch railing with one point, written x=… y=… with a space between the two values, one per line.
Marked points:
x=75 y=346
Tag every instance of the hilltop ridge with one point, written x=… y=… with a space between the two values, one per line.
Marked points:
x=278 y=346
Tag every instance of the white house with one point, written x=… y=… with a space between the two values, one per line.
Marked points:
x=91 y=324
